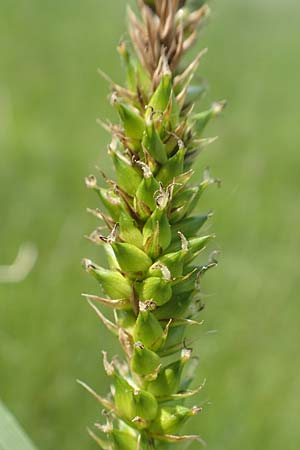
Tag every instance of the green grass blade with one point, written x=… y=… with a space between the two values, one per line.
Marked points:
x=12 y=436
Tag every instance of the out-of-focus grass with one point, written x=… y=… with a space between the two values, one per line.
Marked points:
x=50 y=96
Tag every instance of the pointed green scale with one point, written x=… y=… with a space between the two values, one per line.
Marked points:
x=194 y=93
x=153 y=143
x=168 y=379
x=172 y=168
x=125 y=320
x=123 y=440
x=164 y=231
x=186 y=201
x=111 y=201
x=145 y=405
x=175 y=308
x=167 y=382
x=189 y=226
x=148 y=330
x=182 y=180
x=207 y=181
x=132 y=402
x=133 y=123
x=186 y=285
x=144 y=362
x=111 y=257
x=136 y=77
x=141 y=209
x=175 y=340
x=171 y=114
x=129 y=178
x=151 y=243
x=129 y=66
x=185 y=196
x=159 y=216
x=171 y=418
x=113 y=282
x=105 y=445
x=146 y=190
x=201 y=119
x=196 y=245
x=129 y=232
x=123 y=397
x=179 y=214
x=156 y=289
x=144 y=82
x=171 y=140
x=173 y=261
x=128 y=428
x=161 y=96
x=131 y=258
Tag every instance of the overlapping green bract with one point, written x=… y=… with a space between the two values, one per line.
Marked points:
x=152 y=279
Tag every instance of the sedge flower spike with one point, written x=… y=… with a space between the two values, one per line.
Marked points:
x=152 y=240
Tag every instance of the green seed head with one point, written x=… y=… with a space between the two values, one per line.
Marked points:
x=154 y=241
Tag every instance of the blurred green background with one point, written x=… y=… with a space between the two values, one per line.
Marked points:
x=50 y=96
